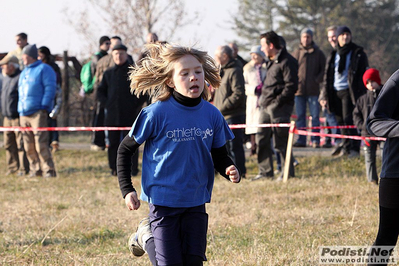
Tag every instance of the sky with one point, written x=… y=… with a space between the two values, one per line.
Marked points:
x=46 y=24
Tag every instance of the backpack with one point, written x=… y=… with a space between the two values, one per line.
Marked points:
x=87 y=78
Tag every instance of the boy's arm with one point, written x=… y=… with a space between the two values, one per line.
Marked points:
x=126 y=150
x=224 y=164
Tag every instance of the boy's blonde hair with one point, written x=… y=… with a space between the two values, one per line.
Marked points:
x=153 y=71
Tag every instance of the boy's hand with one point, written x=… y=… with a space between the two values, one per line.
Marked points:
x=233 y=174
x=132 y=201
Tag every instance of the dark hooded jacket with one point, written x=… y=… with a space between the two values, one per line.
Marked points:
x=362 y=110
x=230 y=97
x=281 y=81
x=357 y=67
x=9 y=95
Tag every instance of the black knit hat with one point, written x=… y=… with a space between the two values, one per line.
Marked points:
x=119 y=47
x=343 y=29
x=104 y=39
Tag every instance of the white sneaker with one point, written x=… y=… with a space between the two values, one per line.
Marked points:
x=137 y=240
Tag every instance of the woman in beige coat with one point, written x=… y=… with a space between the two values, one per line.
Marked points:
x=254 y=75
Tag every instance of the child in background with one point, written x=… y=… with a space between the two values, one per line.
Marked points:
x=372 y=81
x=185 y=139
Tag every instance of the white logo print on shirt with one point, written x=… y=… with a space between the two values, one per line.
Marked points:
x=183 y=134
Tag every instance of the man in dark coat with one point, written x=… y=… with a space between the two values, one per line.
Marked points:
x=343 y=85
x=277 y=103
x=121 y=107
x=230 y=99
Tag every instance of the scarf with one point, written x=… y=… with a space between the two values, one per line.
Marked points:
x=343 y=52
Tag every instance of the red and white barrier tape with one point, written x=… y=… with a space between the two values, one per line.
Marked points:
x=327 y=127
x=62 y=128
x=308 y=133
x=297 y=131
x=116 y=128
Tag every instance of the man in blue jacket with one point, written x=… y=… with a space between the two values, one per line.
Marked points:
x=37 y=86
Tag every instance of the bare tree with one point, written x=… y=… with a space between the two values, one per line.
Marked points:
x=132 y=20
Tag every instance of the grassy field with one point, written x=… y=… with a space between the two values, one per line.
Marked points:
x=80 y=218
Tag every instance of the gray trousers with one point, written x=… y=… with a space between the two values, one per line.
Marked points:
x=273 y=114
x=370 y=154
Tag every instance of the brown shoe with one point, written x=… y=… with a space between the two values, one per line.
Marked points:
x=316 y=145
x=55 y=146
x=50 y=173
x=36 y=173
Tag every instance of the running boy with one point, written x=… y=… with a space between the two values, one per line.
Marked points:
x=185 y=139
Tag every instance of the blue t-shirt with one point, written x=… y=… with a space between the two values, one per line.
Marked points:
x=177 y=164
x=341 y=80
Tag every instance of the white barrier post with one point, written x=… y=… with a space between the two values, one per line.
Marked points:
x=289 y=152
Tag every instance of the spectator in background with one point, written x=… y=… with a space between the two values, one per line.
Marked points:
x=107 y=61
x=364 y=104
x=254 y=75
x=105 y=44
x=236 y=56
x=229 y=98
x=121 y=107
x=36 y=90
x=22 y=40
x=15 y=155
x=151 y=38
x=330 y=116
x=311 y=63
x=45 y=55
x=276 y=101
x=343 y=85
x=98 y=137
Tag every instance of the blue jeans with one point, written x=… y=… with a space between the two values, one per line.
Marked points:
x=332 y=122
x=314 y=108
x=53 y=134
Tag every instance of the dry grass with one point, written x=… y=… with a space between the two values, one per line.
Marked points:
x=79 y=218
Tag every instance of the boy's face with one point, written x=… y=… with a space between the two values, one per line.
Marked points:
x=372 y=85
x=188 y=77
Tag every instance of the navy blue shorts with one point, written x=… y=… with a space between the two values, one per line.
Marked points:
x=178 y=232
